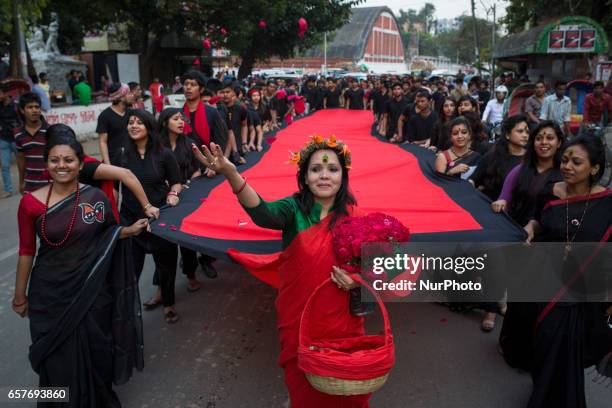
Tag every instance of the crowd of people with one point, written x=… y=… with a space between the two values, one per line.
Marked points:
x=536 y=171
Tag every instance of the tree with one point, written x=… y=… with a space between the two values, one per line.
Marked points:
x=520 y=12
x=459 y=44
x=149 y=22
x=75 y=20
x=427 y=16
x=28 y=10
x=280 y=37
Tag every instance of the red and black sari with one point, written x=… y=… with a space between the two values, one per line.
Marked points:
x=571 y=335
x=84 y=306
x=305 y=262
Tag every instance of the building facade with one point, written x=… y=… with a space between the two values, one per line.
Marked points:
x=370 y=41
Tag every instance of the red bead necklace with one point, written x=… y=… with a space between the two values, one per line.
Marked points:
x=43 y=229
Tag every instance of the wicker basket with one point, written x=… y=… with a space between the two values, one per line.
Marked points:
x=338 y=386
x=336 y=355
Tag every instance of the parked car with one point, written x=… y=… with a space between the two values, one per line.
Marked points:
x=174 y=101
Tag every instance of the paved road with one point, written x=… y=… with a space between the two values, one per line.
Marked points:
x=222 y=352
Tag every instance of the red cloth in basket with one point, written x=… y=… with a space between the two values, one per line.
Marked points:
x=355 y=358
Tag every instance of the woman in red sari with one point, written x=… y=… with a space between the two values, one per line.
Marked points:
x=306 y=219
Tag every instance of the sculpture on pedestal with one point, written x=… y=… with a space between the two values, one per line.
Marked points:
x=53 y=30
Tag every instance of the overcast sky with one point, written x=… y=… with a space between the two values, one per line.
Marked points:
x=444 y=8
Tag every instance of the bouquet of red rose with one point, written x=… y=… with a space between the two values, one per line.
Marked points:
x=350 y=233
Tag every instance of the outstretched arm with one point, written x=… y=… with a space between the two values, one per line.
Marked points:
x=216 y=161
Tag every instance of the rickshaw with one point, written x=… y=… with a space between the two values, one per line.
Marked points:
x=577 y=90
x=16 y=87
x=515 y=103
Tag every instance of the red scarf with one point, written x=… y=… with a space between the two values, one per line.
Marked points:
x=201 y=123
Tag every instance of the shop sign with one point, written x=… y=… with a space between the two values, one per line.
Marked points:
x=572 y=38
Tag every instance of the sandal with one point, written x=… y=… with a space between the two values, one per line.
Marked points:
x=171 y=317
x=152 y=304
x=193 y=285
x=488 y=324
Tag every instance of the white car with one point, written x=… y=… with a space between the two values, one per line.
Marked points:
x=174 y=101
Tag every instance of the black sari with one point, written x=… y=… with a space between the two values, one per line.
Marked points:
x=84 y=305
x=570 y=335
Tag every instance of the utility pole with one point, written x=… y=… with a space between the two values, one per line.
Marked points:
x=493 y=31
x=476 y=42
x=491 y=10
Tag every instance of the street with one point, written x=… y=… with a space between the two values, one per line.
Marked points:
x=222 y=353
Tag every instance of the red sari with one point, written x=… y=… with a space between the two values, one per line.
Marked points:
x=302 y=266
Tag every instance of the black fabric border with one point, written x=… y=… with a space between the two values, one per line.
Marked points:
x=495 y=227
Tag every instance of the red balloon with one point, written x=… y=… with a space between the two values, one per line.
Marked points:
x=262 y=24
x=303 y=25
x=206 y=44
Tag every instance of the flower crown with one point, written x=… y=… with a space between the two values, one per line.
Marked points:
x=318 y=142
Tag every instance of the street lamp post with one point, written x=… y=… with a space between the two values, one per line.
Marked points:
x=325 y=53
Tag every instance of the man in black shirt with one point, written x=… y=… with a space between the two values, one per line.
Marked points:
x=309 y=91
x=321 y=92
x=354 y=96
x=269 y=97
x=438 y=96
x=419 y=120
x=378 y=99
x=207 y=125
x=392 y=112
x=9 y=120
x=235 y=119
x=333 y=94
x=483 y=95
x=112 y=124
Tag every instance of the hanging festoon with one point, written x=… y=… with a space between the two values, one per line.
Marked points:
x=262 y=24
x=206 y=44
x=223 y=31
x=303 y=27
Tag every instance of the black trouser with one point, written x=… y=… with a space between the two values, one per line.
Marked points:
x=190 y=262
x=165 y=256
x=205 y=259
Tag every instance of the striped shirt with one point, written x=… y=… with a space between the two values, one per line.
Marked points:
x=33 y=148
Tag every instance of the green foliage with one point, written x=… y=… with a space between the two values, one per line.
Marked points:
x=520 y=12
x=149 y=21
x=425 y=16
x=458 y=45
x=280 y=37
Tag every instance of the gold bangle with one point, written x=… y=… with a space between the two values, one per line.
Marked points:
x=146 y=207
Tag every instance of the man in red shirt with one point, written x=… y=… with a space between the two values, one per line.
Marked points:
x=596 y=104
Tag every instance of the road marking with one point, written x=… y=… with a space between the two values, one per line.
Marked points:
x=7 y=254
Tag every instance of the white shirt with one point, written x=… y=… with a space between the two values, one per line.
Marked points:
x=493 y=112
x=557 y=110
